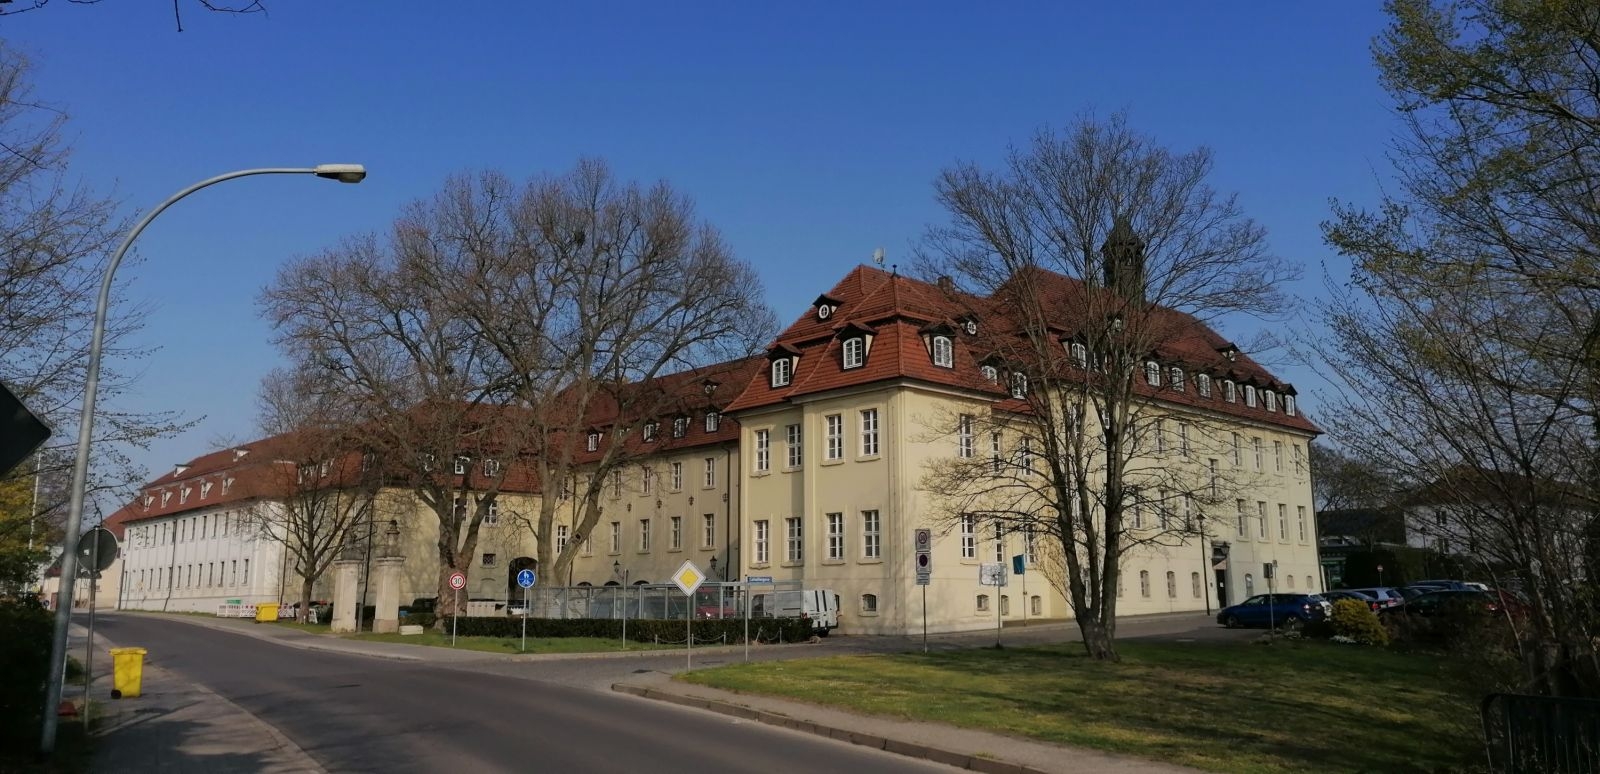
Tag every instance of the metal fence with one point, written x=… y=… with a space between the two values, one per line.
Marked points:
x=658 y=601
x=1541 y=734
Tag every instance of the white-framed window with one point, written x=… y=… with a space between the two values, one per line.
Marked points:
x=1005 y=604
x=969 y=536
x=1238 y=450
x=1194 y=584
x=650 y=430
x=1300 y=515
x=677 y=476
x=1172 y=585
x=1183 y=438
x=834 y=424
x=964 y=437
x=1288 y=405
x=1144 y=583
x=1202 y=384
x=871 y=536
x=587 y=546
x=708 y=527
x=1036 y=602
x=616 y=537
x=855 y=351
x=713 y=421
x=1299 y=459
x=680 y=427
x=1283 y=521
x=1175 y=377
x=616 y=483
x=1019 y=385
x=1230 y=391
x=792 y=438
x=943 y=352
x=835 y=536
x=461 y=465
x=1261 y=519
x=644 y=534
x=781 y=369
x=794 y=549
x=677 y=532
x=1250 y=395
x=1152 y=373
x=1256 y=440
x=1080 y=354
x=763 y=552
x=996 y=459
x=1025 y=455
x=983 y=603
x=763 y=451
x=1160 y=433
x=711 y=472
x=647 y=480
x=869 y=603
x=999 y=543
x=1028 y=551
x=989 y=372
x=1277 y=456
x=563 y=534
x=594 y=442
x=1270 y=400
x=491 y=467
x=491 y=512
x=1244 y=518
x=869 y=432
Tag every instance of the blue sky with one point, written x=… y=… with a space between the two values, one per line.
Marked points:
x=810 y=134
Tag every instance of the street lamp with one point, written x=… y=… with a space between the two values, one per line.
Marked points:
x=344 y=173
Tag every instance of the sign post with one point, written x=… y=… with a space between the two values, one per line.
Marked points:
x=994 y=574
x=458 y=581
x=923 y=540
x=688 y=577
x=749 y=602
x=526 y=579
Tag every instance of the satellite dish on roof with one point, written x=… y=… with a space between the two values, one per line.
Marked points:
x=877 y=256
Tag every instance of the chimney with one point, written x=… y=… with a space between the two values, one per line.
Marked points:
x=946 y=284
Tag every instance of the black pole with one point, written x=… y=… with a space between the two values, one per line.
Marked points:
x=1205 y=567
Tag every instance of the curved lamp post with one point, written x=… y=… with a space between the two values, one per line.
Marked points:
x=344 y=173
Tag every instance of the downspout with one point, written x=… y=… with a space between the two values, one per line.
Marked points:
x=729 y=573
x=172 y=567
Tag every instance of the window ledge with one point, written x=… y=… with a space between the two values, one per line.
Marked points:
x=833 y=462
x=794 y=468
x=760 y=566
x=869 y=458
x=872 y=560
x=792 y=564
x=833 y=561
x=868 y=613
x=760 y=474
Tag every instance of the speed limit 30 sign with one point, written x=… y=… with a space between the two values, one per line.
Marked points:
x=458 y=580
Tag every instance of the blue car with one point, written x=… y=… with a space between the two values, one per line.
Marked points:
x=1285 y=610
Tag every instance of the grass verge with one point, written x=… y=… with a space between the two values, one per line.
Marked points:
x=1235 y=707
x=512 y=644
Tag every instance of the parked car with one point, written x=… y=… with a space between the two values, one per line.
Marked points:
x=1366 y=599
x=1444 y=600
x=1415 y=590
x=1452 y=585
x=1385 y=595
x=1286 y=610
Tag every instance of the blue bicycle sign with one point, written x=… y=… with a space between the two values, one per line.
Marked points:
x=527 y=578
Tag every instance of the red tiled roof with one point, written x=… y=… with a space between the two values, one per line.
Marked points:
x=900 y=310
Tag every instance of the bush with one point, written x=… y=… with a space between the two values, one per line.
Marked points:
x=25 y=631
x=639 y=630
x=1355 y=620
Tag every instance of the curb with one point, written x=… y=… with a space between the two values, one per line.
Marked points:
x=909 y=749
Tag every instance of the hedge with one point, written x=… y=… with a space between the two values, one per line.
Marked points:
x=25 y=633
x=640 y=630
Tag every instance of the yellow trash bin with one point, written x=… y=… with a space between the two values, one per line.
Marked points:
x=127 y=671
x=266 y=611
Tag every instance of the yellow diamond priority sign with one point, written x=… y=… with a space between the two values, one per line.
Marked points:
x=688 y=577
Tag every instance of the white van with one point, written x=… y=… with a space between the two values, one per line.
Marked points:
x=819 y=605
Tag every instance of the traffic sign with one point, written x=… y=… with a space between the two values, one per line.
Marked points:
x=688 y=577
x=527 y=578
x=91 y=560
x=992 y=574
x=758 y=579
x=458 y=580
x=923 y=541
x=20 y=431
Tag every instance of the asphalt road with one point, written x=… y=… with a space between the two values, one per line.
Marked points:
x=353 y=713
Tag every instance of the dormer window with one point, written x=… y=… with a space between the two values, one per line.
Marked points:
x=781 y=371
x=166 y=497
x=1288 y=405
x=1202 y=383
x=826 y=305
x=650 y=431
x=855 y=352
x=713 y=420
x=147 y=500
x=990 y=373
x=205 y=489
x=461 y=465
x=971 y=327
x=1175 y=376
x=1270 y=399
x=1019 y=385
x=1250 y=395
x=183 y=495
x=227 y=484
x=1080 y=354
x=594 y=442
x=680 y=427
x=1152 y=373
x=491 y=468
x=944 y=354
x=327 y=465
x=1230 y=391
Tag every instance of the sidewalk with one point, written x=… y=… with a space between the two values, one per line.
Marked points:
x=177 y=726
x=963 y=748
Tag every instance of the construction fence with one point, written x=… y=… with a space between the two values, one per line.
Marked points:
x=657 y=601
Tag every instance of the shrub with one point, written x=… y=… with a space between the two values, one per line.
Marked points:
x=25 y=630
x=728 y=630
x=1355 y=620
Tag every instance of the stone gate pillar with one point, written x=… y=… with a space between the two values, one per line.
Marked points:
x=346 y=604
x=386 y=618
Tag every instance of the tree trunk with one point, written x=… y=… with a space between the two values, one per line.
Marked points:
x=451 y=602
x=304 y=613
x=1097 y=638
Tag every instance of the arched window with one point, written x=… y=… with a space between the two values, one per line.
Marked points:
x=1080 y=355
x=780 y=372
x=1288 y=405
x=1019 y=385
x=869 y=603
x=990 y=373
x=1144 y=583
x=855 y=352
x=983 y=603
x=1250 y=395
x=1152 y=373
x=1271 y=399
x=943 y=352
x=1230 y=391
x=1309 y=584
x=1175 y=376
x=1194 y=584
x=1203 y=384
x=1036 y=604
x=1289 y=580
x=1005 y=604
x=1172 y=585
x=1249 y=584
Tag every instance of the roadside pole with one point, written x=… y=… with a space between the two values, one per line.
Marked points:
x=922 y=542
x=88 y=654
x=455 y=619
x=747 y=620
x=924 y=618
x=525 y=591
x=688 y=579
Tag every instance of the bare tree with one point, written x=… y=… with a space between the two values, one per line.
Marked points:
x=1340 y=481
x=499 y=322
x=241 y=7
x=325 y=483
x=54 y=241
x=1092 y=256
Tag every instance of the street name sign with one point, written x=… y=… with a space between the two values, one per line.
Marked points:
x=758 y=579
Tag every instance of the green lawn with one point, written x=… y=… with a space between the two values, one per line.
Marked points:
x=1235 y=707
x=512 y=644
